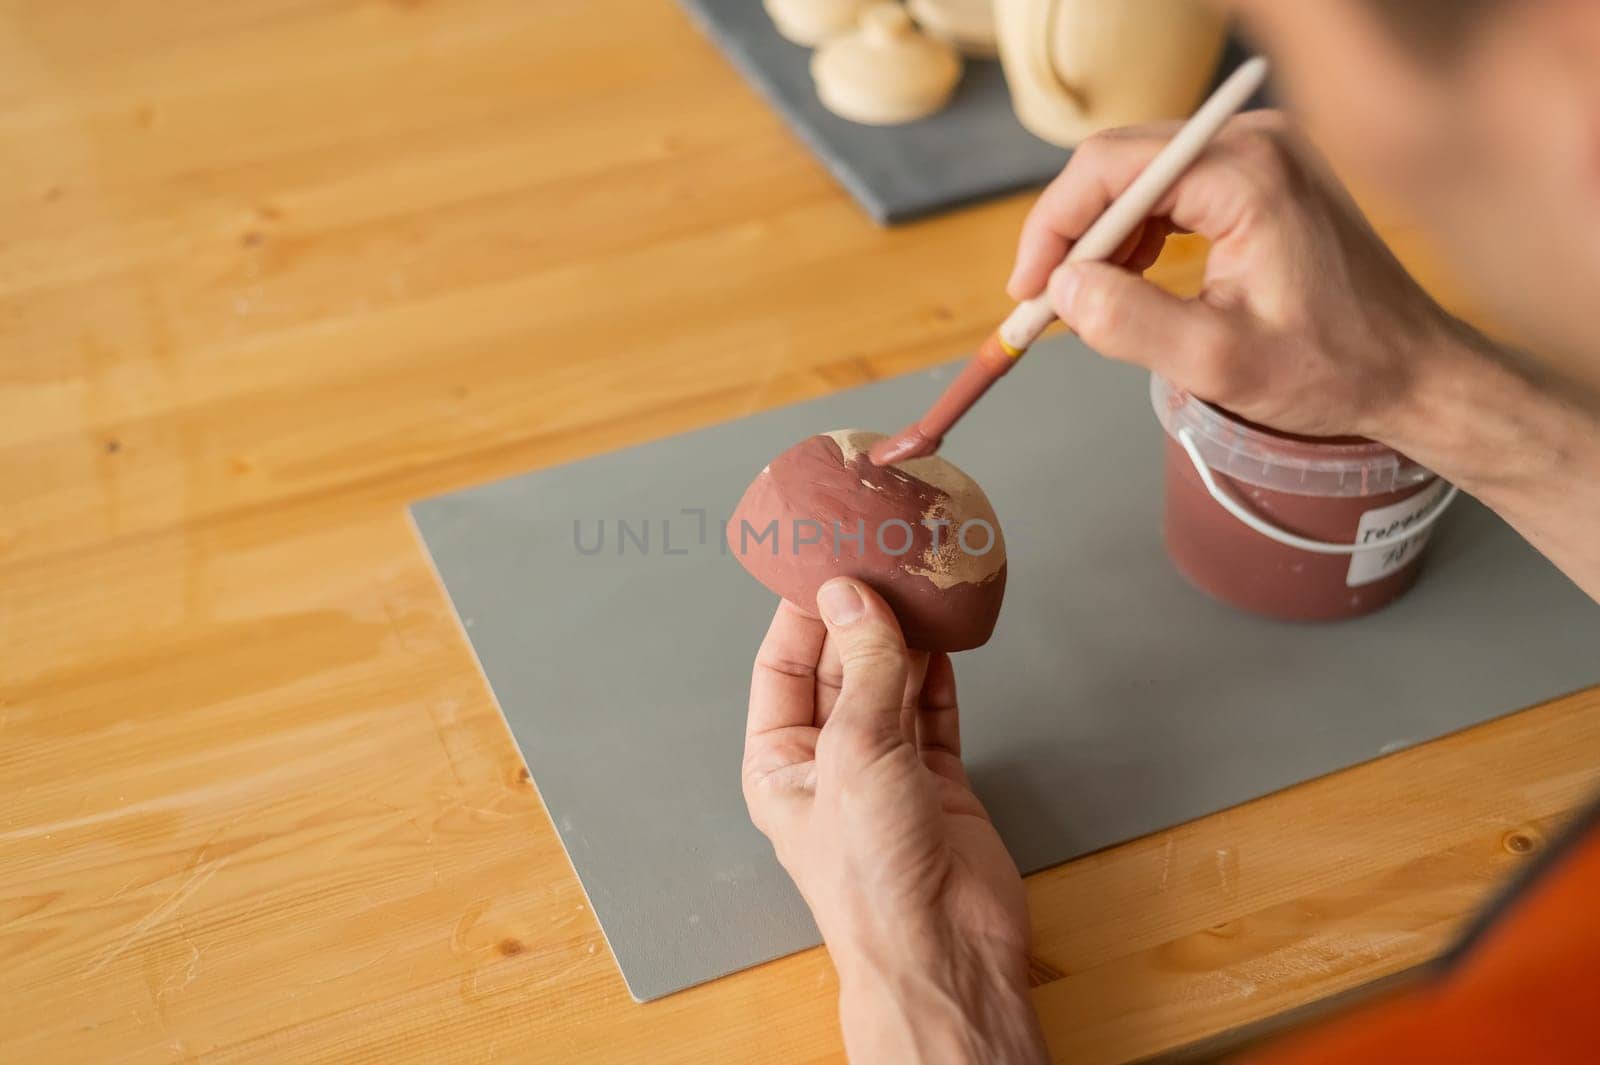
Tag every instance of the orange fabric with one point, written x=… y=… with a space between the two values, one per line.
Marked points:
x=1528 y=992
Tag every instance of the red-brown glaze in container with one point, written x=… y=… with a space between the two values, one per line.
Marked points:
x=1236 y=564
x=1340 y=480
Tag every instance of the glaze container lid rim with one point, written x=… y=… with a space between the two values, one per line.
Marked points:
x=1267 y=460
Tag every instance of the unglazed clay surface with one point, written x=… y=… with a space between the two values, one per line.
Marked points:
x=973 y=149
x=967 y=25
x=921 y=533
x=885 y=72
x=1079 y=66
x=810 y=22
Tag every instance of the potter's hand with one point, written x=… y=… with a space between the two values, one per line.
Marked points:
x=1306 y=323
x=852 y=768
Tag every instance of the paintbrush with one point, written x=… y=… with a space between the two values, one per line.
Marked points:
x=1001 y=350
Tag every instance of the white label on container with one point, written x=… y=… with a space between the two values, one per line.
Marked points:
x=1385 y=529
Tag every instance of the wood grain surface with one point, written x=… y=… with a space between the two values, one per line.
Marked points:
x=269 y=270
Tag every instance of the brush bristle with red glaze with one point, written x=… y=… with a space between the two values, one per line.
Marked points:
x=922 y=438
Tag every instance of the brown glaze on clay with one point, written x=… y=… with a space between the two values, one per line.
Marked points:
x=1223 y=557
x=817 y=496
x=922 y=438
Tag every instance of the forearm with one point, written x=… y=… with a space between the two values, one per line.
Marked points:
x=961 y=1010
x=1525 y=446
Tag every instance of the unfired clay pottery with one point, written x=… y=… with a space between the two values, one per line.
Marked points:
x=921 y=533
x=967 y=25
x=810 y=22
x=1076 y=67
x=885 y=72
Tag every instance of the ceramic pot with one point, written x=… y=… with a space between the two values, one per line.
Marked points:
x=1076 y=67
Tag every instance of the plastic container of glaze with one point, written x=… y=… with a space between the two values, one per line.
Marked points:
x=1293 y=527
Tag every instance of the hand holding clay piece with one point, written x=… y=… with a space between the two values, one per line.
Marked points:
x=921 y=533
x=810 y=22
x=885 y=72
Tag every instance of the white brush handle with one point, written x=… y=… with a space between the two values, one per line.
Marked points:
x=1031 y=317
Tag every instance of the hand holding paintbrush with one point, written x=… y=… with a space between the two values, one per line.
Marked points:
x=997 y=354
x=807 y=507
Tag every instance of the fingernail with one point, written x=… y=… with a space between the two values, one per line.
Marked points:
x=1063 y=286
x=839 y=602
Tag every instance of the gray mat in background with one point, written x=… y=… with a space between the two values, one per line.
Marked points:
x=973 y=149
x=1113 y=701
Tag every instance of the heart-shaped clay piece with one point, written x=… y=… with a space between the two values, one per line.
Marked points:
x=921 y=533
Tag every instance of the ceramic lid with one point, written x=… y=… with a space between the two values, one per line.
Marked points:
x=886 y=71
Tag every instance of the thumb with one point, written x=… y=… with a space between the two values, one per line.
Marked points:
x=1125 y=317
x=872 y=652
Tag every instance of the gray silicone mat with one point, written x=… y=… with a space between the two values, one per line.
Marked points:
x=973 y=149
x=1113 y=701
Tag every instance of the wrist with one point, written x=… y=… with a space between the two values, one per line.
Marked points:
x=1519 y=440
x=954 y=1004
x=1473 y=414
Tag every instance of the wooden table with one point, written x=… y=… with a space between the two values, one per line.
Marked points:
x=270 y=269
